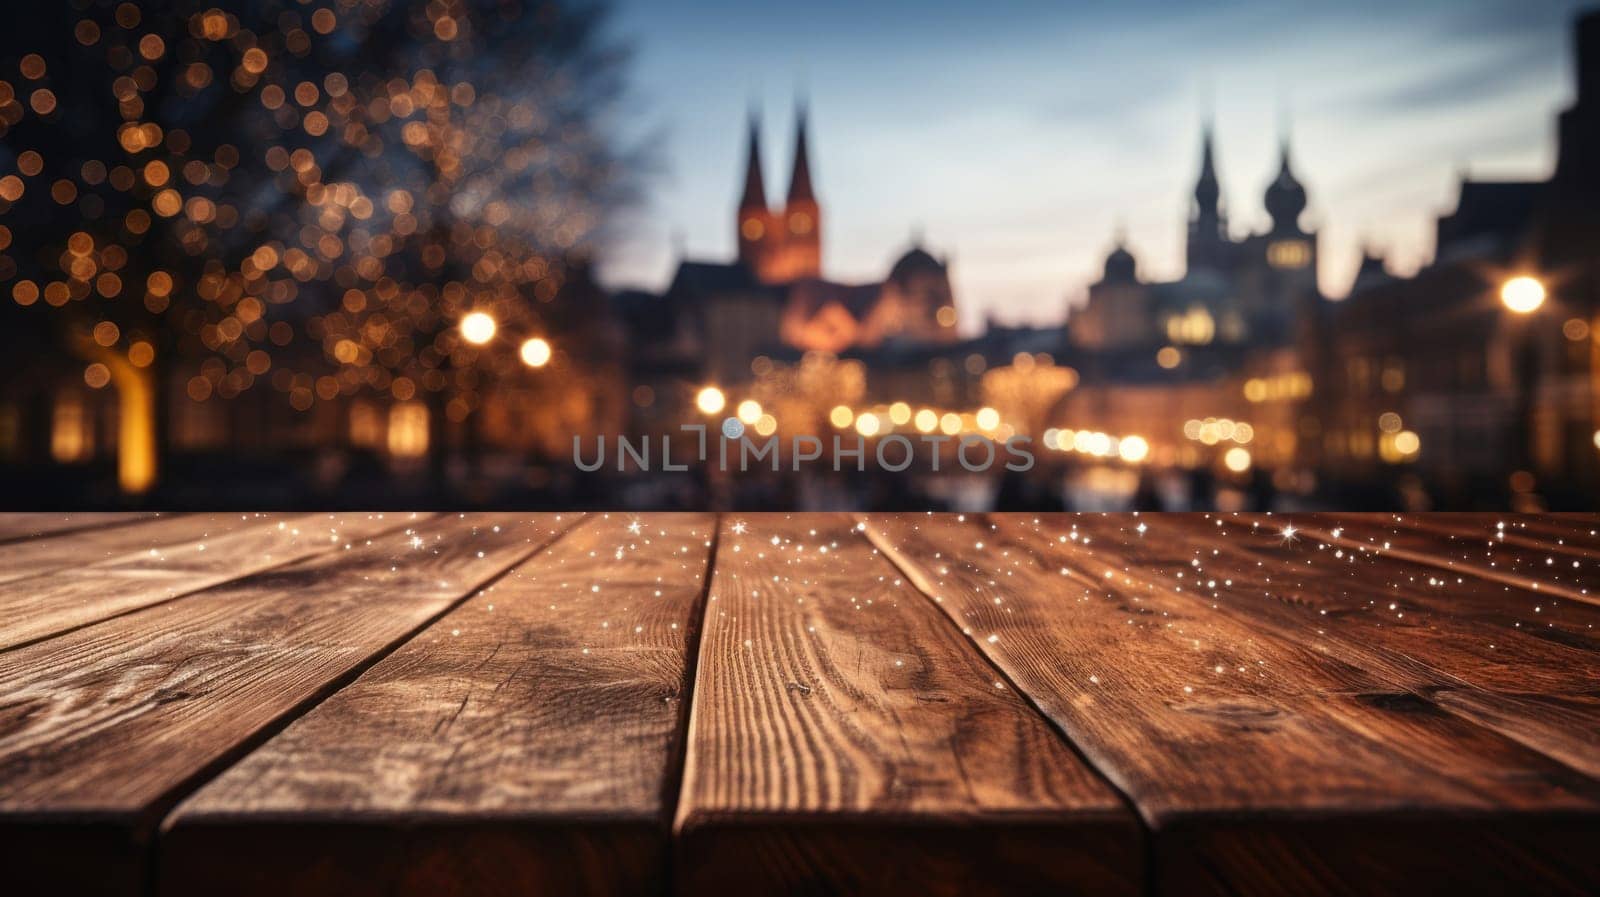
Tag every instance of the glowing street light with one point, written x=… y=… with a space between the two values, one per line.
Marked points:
x=749 y=411
x=710 y=400
x=1523 y=294
x=535 y=352
x=478 y=328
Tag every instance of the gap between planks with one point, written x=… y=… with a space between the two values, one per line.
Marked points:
x=82 y=798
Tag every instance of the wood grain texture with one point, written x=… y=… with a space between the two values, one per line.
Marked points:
x=15 y=525
x=40 y=606
x=844 y=740
x=104 y=728
x=1261 y=765
x=1544 y=534
x=526 y=742
x=33 y=557
x=1462 y=643
x=1515 y=567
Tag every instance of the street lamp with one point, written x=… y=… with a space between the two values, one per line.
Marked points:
x=1523 y=294
x=535 y=352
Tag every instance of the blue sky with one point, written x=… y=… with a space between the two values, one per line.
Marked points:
x=1016 y=136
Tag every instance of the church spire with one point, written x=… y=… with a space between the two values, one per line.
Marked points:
x=1285 y=198
x=755 y=189
x=1208 y=228
x=754 y=219
x=1207 y=190
x=800 y=179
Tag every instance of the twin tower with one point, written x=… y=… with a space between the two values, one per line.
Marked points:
x=780 y=245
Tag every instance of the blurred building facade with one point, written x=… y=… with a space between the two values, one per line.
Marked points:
x=1427 y=389
x=1412 y=391
x=773 y=301
x=1437 y=375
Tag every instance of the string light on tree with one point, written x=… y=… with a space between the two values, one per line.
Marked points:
x=478 y=328
x=224 y=173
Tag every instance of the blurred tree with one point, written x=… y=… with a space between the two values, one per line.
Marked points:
x=305 y=193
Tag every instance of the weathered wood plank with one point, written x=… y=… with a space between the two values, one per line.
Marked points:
x=40 y=606
x=1460 y=643
x=844 y=740
x=103 y=729
x=16 y=525
x=1515 y=568
x=1542 y=534
x=35 y=557
x=1262 y=766
x=526 y=742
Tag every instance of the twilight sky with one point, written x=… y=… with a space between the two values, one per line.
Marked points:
x=1016 y=135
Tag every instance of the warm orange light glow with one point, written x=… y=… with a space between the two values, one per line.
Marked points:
x=1237 y=460
x=1523 y=294
x=710 y=400
x=535 y=353
x=1133 y=449
x=70 y=429
x=408 y=430
x=478 y=328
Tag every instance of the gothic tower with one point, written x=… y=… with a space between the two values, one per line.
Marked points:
x=802 y=216
x=754 y=221
x=1208 y=226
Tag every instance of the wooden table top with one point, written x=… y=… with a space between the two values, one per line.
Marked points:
x=498 y=703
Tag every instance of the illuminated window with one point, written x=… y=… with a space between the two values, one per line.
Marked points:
x=366 y=429
x=799 y=223
x=752 y=229
x=1289 y=254
x=408 y=430
x=1292 y=385
x=1194 y=327
x=71 y=430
